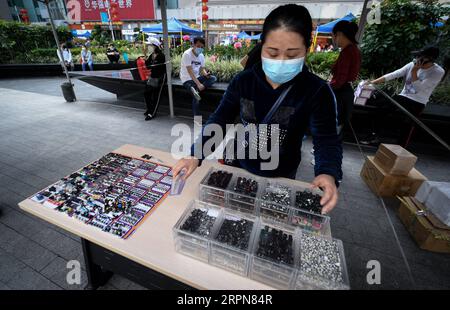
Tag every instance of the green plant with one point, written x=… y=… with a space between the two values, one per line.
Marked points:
x=441 y=94
x=180 y=49
x=405 y=26
x=224 y=70
x=100 y=37
x=19 y=39
x=228 y=52
x=321 y=63
x=43 y=55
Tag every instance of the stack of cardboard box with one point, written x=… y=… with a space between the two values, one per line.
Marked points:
x=427 y=230
x=391 y=172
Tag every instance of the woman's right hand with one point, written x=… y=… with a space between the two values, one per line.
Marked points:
x=189 y=164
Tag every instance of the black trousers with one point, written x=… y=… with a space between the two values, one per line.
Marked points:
x=151 y=97
x=344 y=100
x=405 y=124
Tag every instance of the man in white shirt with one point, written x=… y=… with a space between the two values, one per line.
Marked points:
x=421 y=77
x=193 y=73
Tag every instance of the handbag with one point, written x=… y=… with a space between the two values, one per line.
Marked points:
x=153 y=82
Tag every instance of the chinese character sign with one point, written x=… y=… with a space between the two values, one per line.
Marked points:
x=127 y=9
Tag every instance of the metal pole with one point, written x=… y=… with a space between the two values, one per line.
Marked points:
x=167 y=53
x=55 y=35
x=362 y=21
x=110 y=25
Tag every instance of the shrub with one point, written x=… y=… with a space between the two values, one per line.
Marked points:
x=321 y=62
x=441 y=94
x=224 y=70
x=18 y=39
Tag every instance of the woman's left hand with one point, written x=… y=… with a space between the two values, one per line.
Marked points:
x=327 y=184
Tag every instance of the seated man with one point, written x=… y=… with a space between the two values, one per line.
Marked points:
x=193 y=74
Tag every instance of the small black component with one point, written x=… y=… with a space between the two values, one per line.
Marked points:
x=219 y=179
x=276 y=245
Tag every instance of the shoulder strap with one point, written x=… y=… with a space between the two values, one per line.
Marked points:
x=276 y=105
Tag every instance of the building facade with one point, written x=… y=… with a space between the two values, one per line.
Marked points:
x=227 y=17
x=36 y=11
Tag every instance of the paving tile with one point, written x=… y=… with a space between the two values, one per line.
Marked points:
x=9 y=266
x=4 y=287
x=58 y=243
x=39 y=144
x=29 y=279
x=57 y=272
x=25 y=249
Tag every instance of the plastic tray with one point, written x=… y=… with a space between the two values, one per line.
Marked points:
x=229 y=257
x=243 y=202
x=192 y=243
x=309 y=221
x=272 y=272
x=212 y=194
x=321 y=270
x=276 y=210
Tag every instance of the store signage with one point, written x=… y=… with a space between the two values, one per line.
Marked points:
x=127 y=9
x=128 y=32
x=222 y=26
x=242 y=22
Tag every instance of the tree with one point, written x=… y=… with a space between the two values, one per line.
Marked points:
x=100 y=36
x=405 y=26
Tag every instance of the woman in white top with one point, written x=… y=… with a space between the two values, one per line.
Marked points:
x=421 y=77
x=66 y=57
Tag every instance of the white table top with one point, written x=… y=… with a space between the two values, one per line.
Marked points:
x=152 y=243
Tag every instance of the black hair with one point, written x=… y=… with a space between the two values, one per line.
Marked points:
x=292 y=17
x=199 y=39
x=156 y=49
x=348 y=28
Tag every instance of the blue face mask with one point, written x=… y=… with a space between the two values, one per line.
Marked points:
x=282 y=71
x=198 y=50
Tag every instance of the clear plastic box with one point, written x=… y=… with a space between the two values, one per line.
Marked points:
x=307 y=220
x=321 y=263
x=270 y=271
x=196 y=243
x=212 y=194
x=235 y=258
x=240 y=201
x=270 y=207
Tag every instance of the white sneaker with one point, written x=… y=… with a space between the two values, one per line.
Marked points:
x=195 y=94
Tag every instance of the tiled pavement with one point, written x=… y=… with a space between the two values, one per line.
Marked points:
x=43 y=138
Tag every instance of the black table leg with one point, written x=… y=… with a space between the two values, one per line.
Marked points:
x=96 y=275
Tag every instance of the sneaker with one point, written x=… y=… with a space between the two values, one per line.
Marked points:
x=148 y=117
x=371 y=139
x=195 y=94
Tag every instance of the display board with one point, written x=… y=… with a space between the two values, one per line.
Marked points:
x=115 y=193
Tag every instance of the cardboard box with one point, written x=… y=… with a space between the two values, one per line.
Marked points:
x=435 y=196
x=388 y=185
x=429 y=233
x=394 y=159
